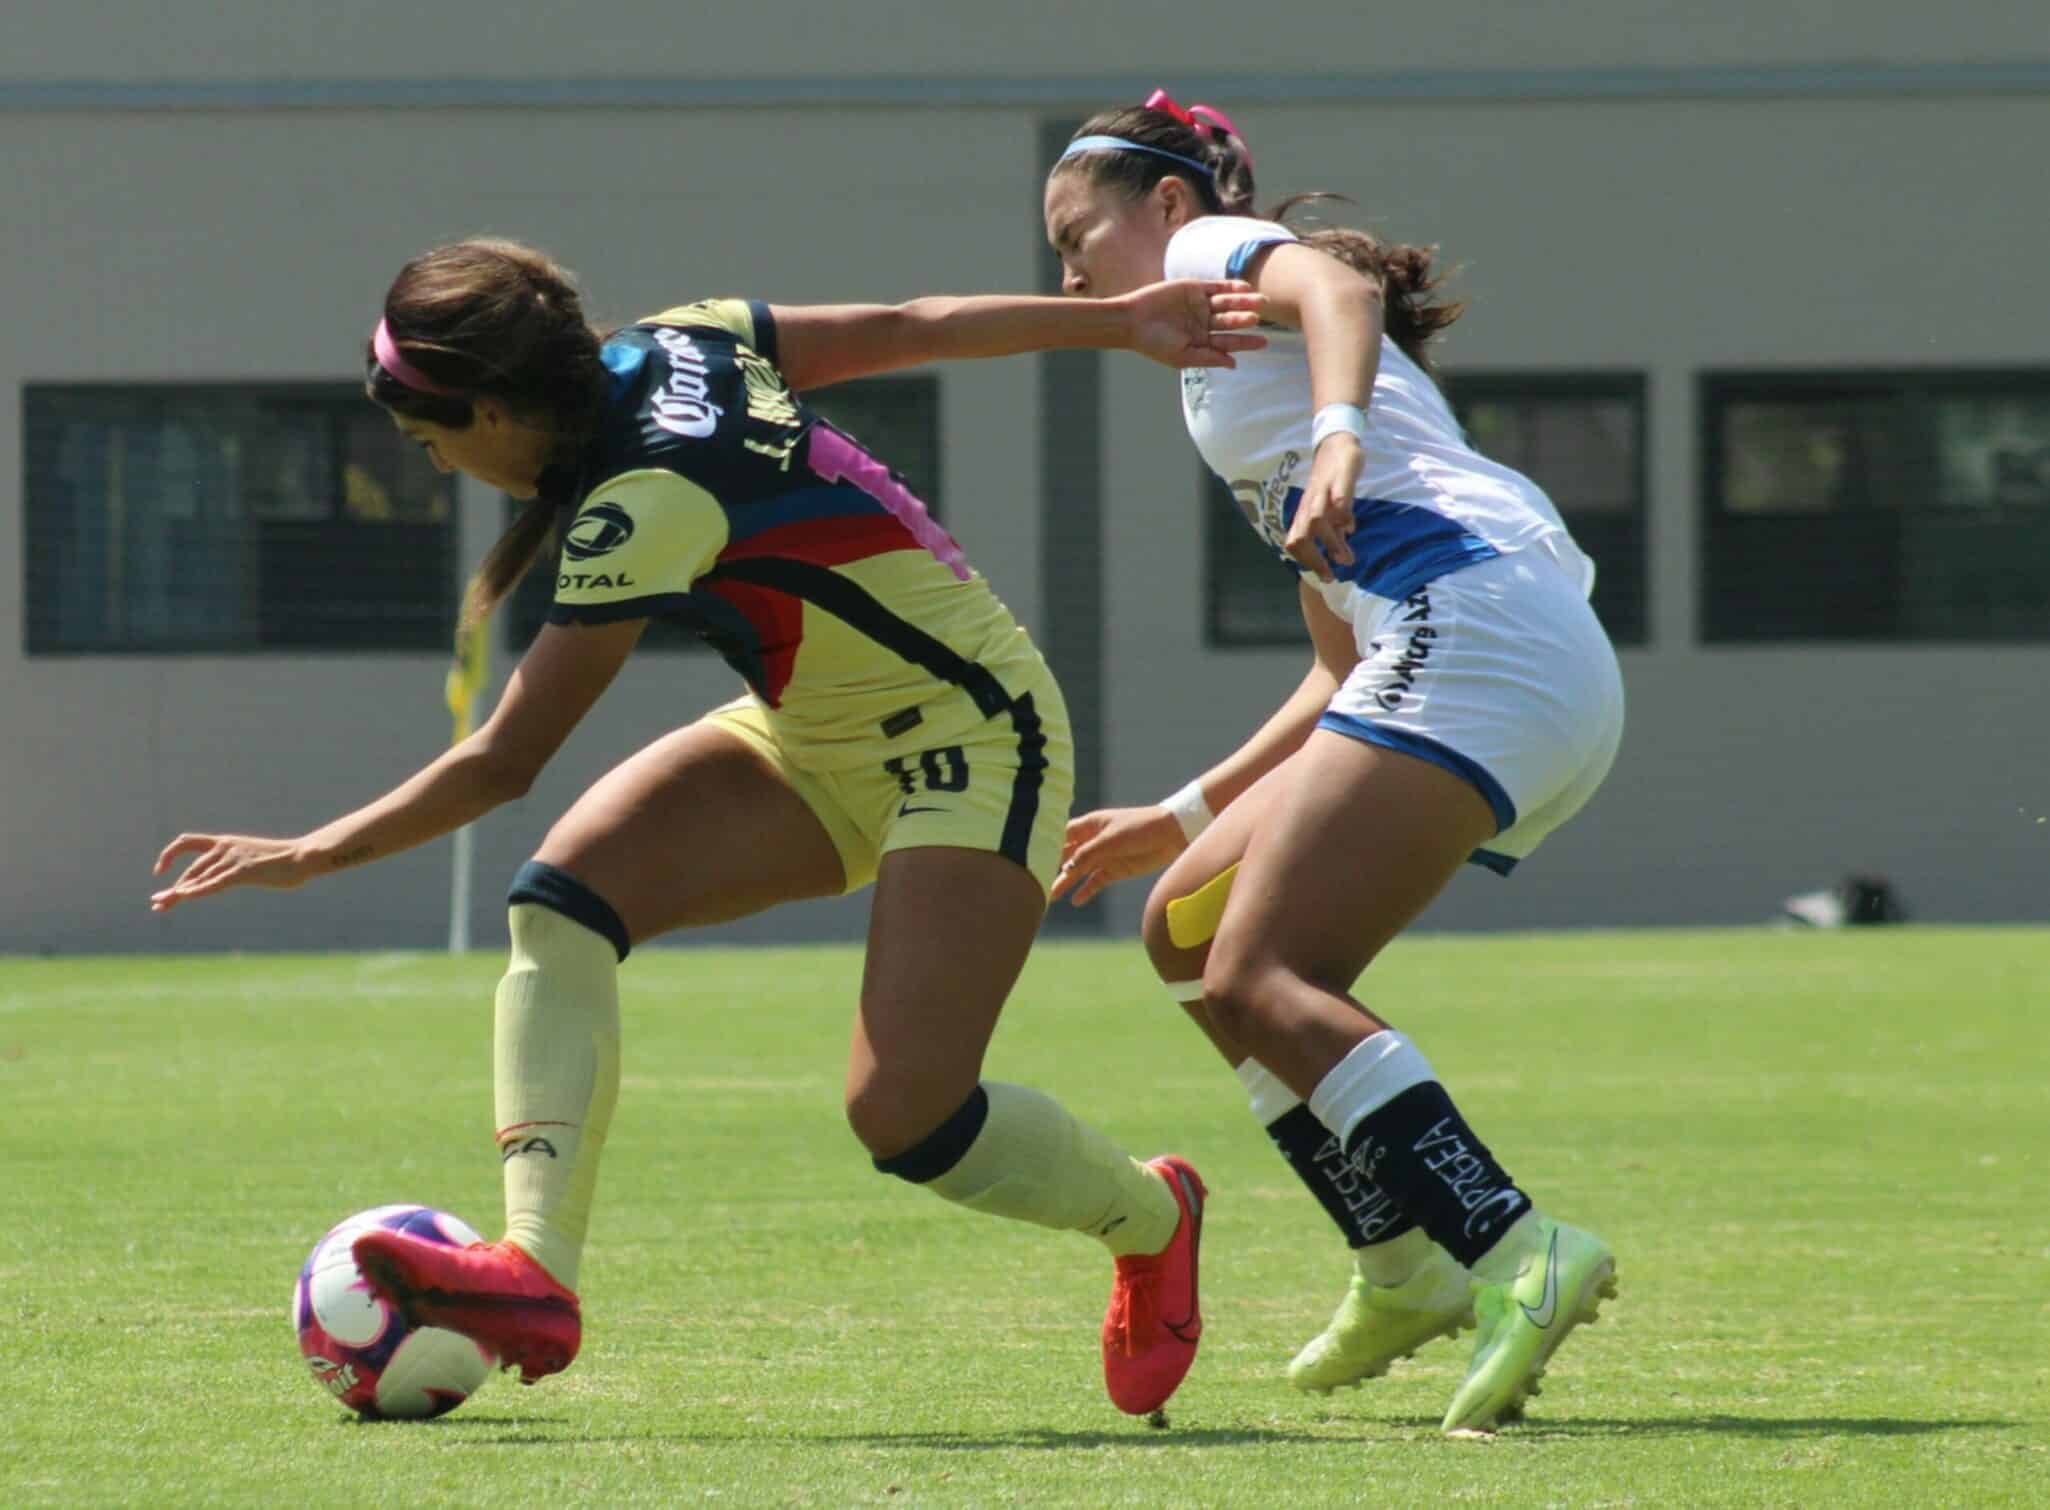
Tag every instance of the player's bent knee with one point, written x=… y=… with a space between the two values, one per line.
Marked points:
x=540 y=885
x=1170 y=963
x=1179 y=923
x=927 y=1154
x=1238 y=989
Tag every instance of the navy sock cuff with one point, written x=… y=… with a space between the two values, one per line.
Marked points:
x=1363 y=1211
x=942 y=1148
x=542 y=885
x=1420 y=1151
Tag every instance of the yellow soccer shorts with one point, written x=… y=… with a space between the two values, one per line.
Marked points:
x=1006 y=786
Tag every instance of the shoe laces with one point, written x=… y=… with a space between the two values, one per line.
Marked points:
x=1135 y=1304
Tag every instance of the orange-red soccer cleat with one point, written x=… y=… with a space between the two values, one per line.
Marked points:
x=1154 y=1322
x=493 y=1293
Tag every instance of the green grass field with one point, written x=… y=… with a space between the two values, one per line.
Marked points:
x=1819 y=1158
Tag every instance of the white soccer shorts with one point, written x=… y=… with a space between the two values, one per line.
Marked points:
x=1500 y=673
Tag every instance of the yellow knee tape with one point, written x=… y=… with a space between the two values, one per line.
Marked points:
x=1192 y=920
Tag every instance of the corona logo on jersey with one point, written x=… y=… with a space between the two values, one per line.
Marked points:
x=683 y=406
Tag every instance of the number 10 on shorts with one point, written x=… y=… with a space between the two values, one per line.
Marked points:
x=943 y=770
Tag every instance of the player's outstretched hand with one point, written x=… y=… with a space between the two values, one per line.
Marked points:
x=224 y=860
x=1324 y=518
x=1115 y=844
x=1191 y=323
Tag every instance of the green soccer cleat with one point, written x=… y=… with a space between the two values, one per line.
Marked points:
x=1522 y=1322
x=1375 y=1325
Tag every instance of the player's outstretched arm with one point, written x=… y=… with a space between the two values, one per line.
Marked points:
x=1182 y=324
x=548 y=693
x=1115 y=844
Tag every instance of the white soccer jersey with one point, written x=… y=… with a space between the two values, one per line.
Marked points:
x=1428 y=502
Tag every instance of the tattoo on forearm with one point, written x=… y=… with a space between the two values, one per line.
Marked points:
x=354 y=856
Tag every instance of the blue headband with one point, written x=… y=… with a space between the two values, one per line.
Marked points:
x=1119 y=144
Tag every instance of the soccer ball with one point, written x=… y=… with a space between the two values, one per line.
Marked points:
x=361 y=1349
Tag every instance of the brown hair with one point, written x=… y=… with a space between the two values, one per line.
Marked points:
x=494 y=319
x=1405 y=273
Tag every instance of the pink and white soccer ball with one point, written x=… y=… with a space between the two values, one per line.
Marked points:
x=361 y=1349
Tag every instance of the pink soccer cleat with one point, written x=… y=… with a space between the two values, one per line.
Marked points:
x=1153 y=1324
x=493 y=1293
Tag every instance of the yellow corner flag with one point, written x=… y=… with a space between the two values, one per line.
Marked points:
x=467 y=675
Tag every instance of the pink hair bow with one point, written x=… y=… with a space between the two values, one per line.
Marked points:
x=1160 y=99
x=1190 y=115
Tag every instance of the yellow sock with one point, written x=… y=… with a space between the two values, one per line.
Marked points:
x=557 y=1078
x=1034 y=1162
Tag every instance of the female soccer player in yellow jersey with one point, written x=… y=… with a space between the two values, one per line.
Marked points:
x=898 y=728
x=1461 y=703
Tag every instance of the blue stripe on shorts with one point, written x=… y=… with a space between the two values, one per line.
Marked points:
x=1424 y=748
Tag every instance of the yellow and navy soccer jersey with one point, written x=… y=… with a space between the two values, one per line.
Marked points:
x=711 y=495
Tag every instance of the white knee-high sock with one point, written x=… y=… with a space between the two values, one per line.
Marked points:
x=1033 y=1161
x=557 y=1080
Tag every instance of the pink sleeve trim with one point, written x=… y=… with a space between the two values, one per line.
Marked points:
x=837 y=459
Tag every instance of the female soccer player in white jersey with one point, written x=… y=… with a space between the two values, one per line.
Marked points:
x=1462 y=703
x=899 y=727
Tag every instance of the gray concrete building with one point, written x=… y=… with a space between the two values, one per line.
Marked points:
x=1756 y=291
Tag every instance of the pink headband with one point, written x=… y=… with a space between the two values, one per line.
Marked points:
x=389 y=359
x=1160 y=99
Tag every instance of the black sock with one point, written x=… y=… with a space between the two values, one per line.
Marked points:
x=1364 y=1211
x=1420 y=1150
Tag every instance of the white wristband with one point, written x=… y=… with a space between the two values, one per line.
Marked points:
x=1332 y=418
x=1190 y=810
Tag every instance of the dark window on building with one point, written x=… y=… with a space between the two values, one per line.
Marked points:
x=1876 y=506
x=896 y=418
x=1580 y=437
x=1249 y=592
x=214 y=518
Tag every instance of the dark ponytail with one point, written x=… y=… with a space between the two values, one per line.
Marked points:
x=494 y=319
x=535 y=530
x=1406 y=274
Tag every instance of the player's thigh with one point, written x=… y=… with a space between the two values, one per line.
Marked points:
x=948 y=934
x=1206 y=865
x=1005 y=787
x=1367 y=837
x=970 y=839
x=1213 y=852
x=697 y=828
